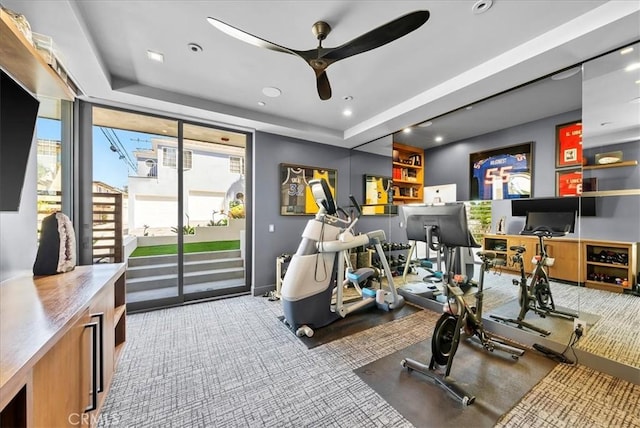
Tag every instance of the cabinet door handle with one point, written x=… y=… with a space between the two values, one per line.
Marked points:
x=100 y=317
x=94 y=366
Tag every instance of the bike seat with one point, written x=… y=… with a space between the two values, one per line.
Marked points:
x=518 y=248
x=489 y=255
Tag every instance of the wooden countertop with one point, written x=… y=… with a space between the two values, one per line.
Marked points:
x=36 y=311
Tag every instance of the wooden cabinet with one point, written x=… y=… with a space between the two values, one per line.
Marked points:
x=60 y=336
x=408 y=174
x=62 y=378
x=606 y=265
x=565 y=252
x=610 y=266
x=501 y=245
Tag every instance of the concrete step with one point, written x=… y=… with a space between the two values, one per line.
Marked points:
x=188 y=257
x=159 y=293
x=190 y=266
x=171 y=280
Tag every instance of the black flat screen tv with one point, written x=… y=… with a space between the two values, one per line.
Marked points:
x=18 y=114
x=584 y=206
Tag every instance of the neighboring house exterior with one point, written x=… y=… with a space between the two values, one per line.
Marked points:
x=209 y=171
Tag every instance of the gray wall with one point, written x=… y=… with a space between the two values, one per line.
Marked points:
x=18 y=230
x=363 y=163
x=617 y=216
x=269 y=151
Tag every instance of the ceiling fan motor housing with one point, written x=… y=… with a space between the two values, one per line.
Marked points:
x=321 y=30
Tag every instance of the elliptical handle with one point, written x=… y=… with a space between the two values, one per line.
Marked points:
x=356 y=205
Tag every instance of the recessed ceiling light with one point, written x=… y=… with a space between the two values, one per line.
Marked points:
x=347 y=98
x=438 y=139
x=468 y=107
x=271 y=92
x=635 y=100
x=626 y=50
x=155 y=56
x=566 y=74
x=407 y=130
x=262 y=103
x=638 y=81
x=425 y=124
x=606 y=123
x=481 y=6
x=632 y=66
x=347 y=112
x=194 y=47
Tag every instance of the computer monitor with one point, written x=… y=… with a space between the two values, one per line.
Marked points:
x=558 y=222
x=440 y=194
x=449 y=222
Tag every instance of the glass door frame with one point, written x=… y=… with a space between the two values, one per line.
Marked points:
x=82 y=203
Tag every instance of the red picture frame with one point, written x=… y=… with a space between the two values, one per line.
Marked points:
x=569 y=144
x=569 y=182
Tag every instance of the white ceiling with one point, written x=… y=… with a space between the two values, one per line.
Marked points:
x=455 y=59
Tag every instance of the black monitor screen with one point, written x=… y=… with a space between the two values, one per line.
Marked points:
x=562 y=222
x=450 y=221
x=585 y=206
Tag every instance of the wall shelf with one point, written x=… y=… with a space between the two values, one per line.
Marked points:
x=622 y=192
x=610 y=165
x=23 y=62
x=408 y=174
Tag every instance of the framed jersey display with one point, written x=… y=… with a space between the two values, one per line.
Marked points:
x=569 y=182
x=569 y=144
x=295 y=193
x=504 y=173
x=378 y=196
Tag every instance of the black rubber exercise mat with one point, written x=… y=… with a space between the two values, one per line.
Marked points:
x=497 y=381
x=354 y=323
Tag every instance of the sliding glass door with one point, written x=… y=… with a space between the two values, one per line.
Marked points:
x=169 y=200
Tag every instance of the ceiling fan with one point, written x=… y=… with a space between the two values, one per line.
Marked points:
x=320 y=58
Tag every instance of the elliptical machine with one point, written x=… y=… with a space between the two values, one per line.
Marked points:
x=318 y=268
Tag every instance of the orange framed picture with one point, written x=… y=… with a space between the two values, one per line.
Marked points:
x=569 y=182
x=569 y=144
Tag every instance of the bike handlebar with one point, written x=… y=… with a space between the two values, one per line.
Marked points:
x=544 y=231
x=356 y=205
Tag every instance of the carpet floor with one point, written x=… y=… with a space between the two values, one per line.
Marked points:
x=232 y=363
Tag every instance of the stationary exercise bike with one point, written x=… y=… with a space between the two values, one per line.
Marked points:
x=318 y=271
x=458 y=317
x=536 y=295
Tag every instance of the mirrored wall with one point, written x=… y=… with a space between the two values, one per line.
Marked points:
x=580 y=131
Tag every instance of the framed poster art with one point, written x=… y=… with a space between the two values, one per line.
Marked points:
x=295 y=193
x=504 y=173
x=569 y=144
x=378 y=196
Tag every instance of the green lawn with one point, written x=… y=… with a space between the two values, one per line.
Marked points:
x=195 y=247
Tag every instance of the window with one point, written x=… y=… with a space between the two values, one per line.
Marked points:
x=187 y=159
x=169 y=158
x=236 y=165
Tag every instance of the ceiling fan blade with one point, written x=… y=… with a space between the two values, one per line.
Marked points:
x=379 y=36
x=322 y=81
x=249 y=38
